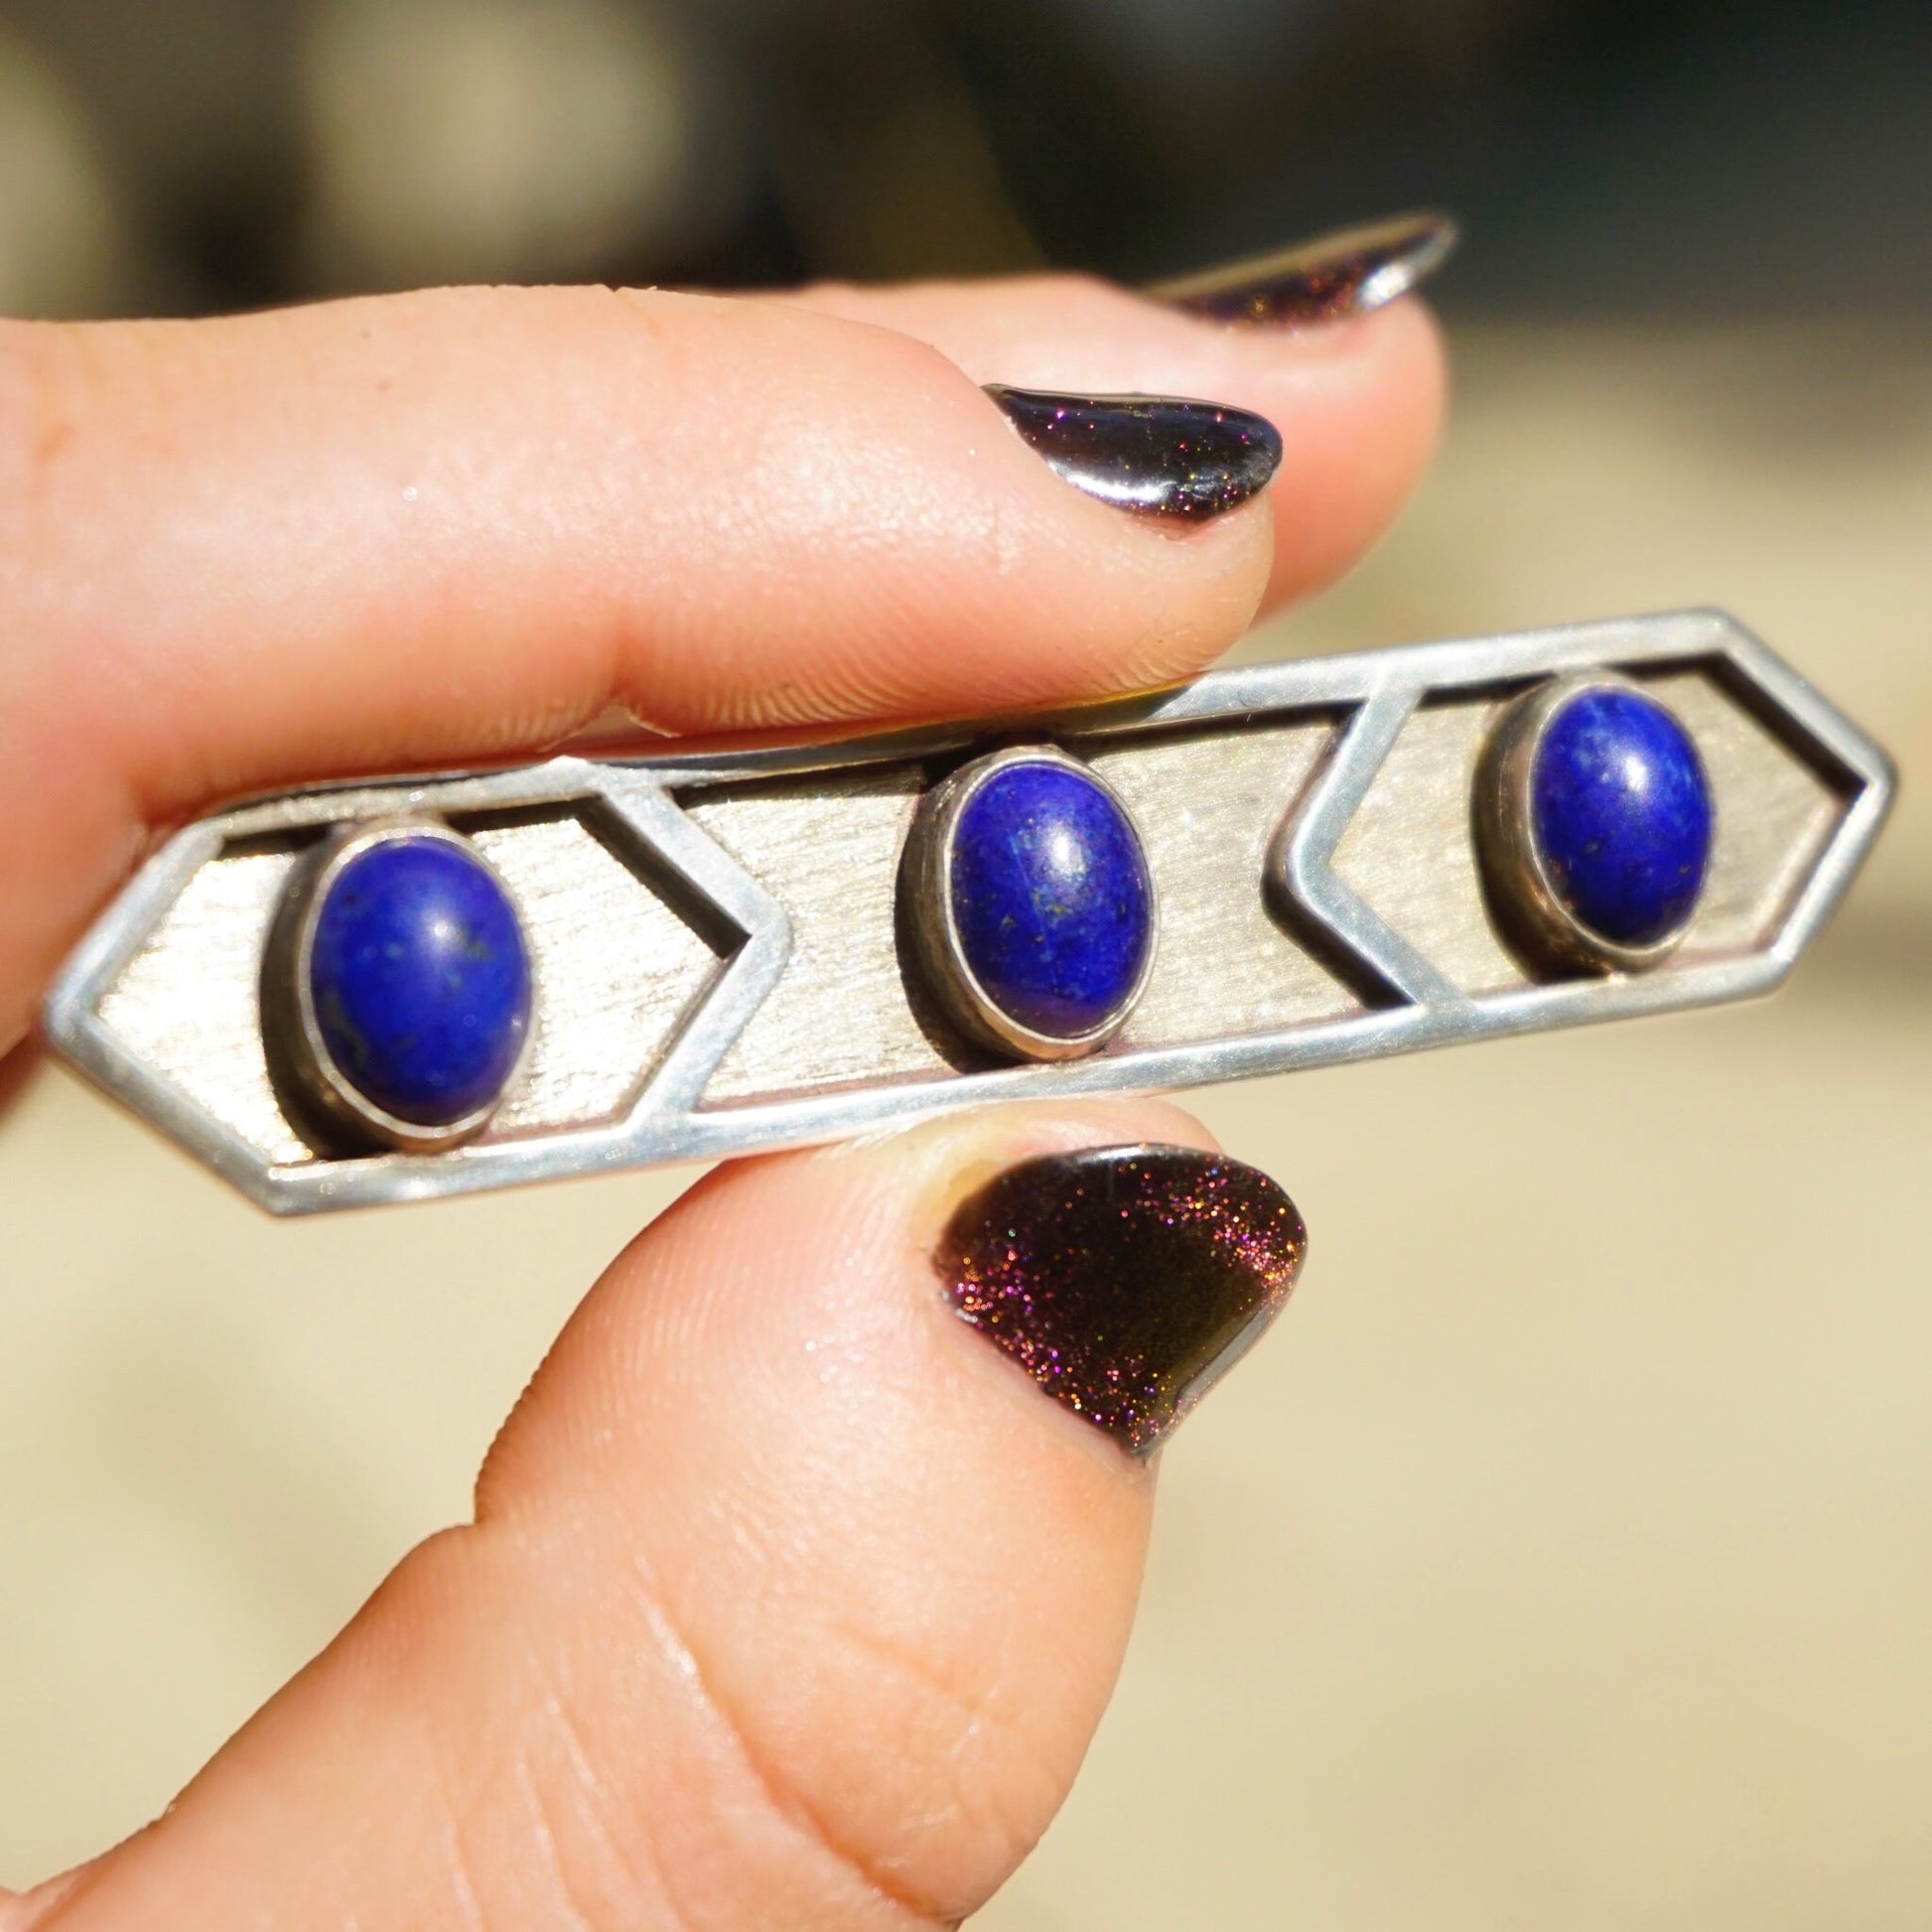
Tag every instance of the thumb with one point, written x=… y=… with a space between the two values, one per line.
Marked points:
x=789 y=1600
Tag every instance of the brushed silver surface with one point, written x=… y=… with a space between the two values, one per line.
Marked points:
x=617 y=974
x=1207 y=805
x=1413 y=860
x=828 y=851
x=719 y=966
x=1302 y=870
x=1776 y=816
x=188 y=1004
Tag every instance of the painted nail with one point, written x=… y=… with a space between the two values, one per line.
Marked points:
x=1126 y=1281
x=1347 y=273
x=1159 y=454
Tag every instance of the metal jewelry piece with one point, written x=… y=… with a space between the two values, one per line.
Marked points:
x=596 y=962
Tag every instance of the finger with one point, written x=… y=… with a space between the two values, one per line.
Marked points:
x=418 y=530
x=1359 y=399
x=429 y=528
x=789 y=1600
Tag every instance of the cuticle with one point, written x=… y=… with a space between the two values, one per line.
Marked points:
x=973 y=1177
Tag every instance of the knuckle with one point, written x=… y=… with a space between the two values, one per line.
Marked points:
x=981 y=1780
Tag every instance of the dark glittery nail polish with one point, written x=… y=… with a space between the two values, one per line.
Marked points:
x=1335 y=275
x=1159 y=454
x=1126 y=1281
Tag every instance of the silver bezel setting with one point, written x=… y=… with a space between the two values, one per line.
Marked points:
x=292 y=1031
x=1512 y=859
x=925 y=883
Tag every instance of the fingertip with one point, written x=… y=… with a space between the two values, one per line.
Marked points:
x=1358 y=401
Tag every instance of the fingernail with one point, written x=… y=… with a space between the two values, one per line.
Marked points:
x=1157 y=454
x=1126 y=1281
x=1347 y=273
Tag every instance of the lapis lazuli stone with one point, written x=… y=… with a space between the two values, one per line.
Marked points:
x=1621 y=811
x=420 y=980
x=1051 y=899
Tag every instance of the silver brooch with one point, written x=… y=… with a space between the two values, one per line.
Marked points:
x=424 y=986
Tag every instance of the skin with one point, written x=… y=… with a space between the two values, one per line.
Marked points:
x=786 y=1601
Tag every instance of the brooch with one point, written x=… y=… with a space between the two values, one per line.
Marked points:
x=392 y=989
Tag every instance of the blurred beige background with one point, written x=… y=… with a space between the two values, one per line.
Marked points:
x=1564 y=1559
x=1566 y=1556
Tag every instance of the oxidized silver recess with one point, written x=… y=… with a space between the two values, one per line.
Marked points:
x=930 y=901
x=324 y=1097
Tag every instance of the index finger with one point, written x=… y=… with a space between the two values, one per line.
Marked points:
x=437 y=527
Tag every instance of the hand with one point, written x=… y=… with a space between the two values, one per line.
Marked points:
x=788 y=1602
